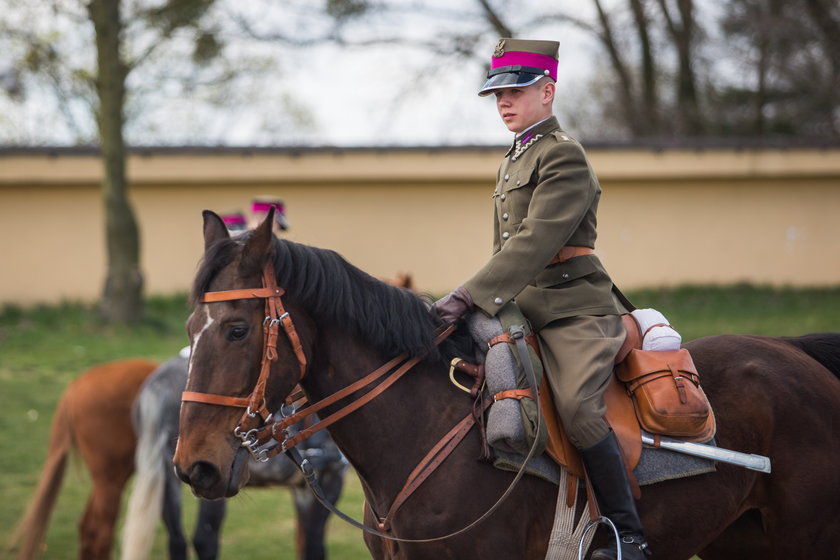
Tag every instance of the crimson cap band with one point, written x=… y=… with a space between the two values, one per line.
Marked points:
x=235 y=222
x=261 y=205
x=519 y=63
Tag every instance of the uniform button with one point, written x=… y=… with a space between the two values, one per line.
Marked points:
x=518 y=183
x=505 y=216
x=503 y=197
x=565 y=275
x=513 y=158
x=507 y=177
x=505 y=235
x=498 y=301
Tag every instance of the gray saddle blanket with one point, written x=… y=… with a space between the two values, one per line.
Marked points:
x=506 y=434
x=655 y=465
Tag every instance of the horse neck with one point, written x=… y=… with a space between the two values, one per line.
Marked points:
x=386 y=438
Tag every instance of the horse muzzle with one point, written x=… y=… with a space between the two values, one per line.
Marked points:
x=210 y=482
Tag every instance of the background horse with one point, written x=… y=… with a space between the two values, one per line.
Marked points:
x=93 y=417
x=778 y=397
x=156 y=487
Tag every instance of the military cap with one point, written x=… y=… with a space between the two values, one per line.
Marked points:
x=260 y=206
x=235 y=222
x=519 y=63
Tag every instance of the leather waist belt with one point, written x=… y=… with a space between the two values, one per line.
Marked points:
x=570 y=252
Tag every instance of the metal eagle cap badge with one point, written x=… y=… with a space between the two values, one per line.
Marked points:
x=500 y=49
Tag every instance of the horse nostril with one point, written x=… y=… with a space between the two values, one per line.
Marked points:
x=202 y=475
x=181 y=474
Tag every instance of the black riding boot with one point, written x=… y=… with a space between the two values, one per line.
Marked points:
x=605 y=468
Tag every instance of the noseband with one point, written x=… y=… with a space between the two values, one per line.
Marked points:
x=275 y=315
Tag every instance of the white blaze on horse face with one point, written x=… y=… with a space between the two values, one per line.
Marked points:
x=209 y=320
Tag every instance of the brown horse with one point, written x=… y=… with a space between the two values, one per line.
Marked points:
x=92 y=416
x=778 y=397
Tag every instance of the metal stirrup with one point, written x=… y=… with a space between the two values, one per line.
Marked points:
x=595 y=523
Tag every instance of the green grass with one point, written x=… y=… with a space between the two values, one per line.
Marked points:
x=745 y=309
x=42 y=349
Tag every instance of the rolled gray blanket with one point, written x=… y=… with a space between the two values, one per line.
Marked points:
x=504 y=420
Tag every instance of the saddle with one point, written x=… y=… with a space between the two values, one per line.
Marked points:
x=657 y=391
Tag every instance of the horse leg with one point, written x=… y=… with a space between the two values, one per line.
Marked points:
x=104 y=435
x=211 y=514
x=96 y=527
x=110 y=471
x=312 y=516
x=172 y=517
x=311 y=519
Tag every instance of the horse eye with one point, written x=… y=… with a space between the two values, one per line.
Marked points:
x=237 y=333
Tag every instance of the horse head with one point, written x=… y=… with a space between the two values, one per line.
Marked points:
x=247 y=354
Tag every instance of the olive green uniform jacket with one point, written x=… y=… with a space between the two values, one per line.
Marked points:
x=546 y=197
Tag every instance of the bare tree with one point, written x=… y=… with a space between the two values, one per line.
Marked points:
x=682 y=27
x=790 y=71
x=123 y=294
x=649 y=98
x=772 y=67
x=103 y=87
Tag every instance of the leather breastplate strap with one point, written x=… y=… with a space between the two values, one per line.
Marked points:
x=430 y=462
x=278 y=429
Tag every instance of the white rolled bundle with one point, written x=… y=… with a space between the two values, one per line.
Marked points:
x=658 y=333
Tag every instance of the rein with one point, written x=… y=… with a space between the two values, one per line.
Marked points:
x=255 y=405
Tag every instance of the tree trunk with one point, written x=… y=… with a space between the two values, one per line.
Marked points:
x=122 y=297
x=649 y=107
x=682 y=35
x=625 y=83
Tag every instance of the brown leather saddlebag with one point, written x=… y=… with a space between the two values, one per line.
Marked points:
x=665 y=389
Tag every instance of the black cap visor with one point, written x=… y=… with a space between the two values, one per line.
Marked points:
x=497 y=79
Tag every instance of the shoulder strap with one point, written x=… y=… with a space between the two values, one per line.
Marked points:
x=623 y=299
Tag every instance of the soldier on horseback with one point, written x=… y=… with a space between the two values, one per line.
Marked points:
x=546 y=199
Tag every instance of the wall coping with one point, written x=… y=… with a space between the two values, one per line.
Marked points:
x=638 y=161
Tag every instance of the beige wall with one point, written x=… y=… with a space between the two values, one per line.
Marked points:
x=667 y=217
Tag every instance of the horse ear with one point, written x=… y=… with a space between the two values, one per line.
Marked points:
x=258 y=247
x=214 y=228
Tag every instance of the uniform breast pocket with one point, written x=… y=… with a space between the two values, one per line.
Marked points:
x=515 y=197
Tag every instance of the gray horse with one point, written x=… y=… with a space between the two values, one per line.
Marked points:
x=156 y=488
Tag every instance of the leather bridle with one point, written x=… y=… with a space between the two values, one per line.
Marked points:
x=275 y=315
x=267 y=428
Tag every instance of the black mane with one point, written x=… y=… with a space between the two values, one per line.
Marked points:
x=394 y=320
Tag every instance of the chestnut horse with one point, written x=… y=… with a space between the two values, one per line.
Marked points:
x=778 y=397
x=92 y=416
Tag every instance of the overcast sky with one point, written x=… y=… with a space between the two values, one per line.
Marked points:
x=391 y=106
x=404 y=96
x=350 y=96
